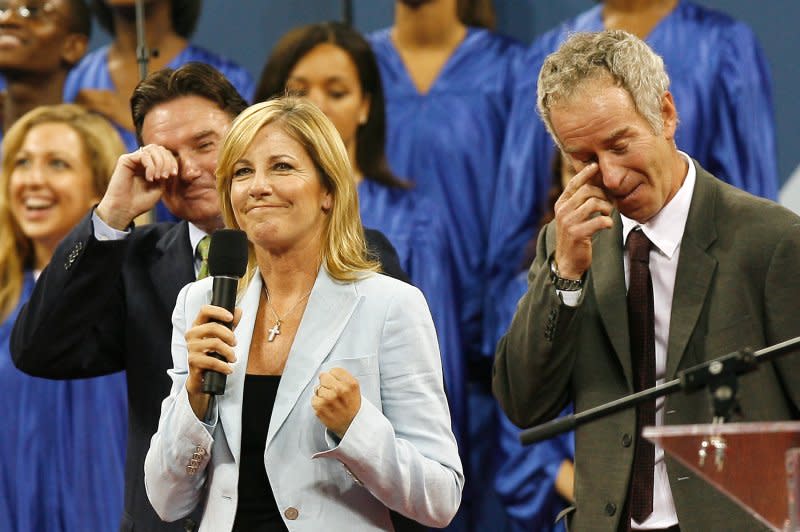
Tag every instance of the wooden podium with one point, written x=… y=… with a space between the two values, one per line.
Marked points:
x=757 y=465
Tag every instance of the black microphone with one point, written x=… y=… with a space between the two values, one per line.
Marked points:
x=227 y=262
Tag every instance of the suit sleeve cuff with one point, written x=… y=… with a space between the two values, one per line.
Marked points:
x=359 y=436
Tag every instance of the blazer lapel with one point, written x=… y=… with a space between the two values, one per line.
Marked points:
x=696 y=269
x=230 y=404
x=173 y=267
x=608 y=282
x=329 y=309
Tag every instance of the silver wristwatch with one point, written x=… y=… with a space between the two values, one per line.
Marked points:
x=566 y=285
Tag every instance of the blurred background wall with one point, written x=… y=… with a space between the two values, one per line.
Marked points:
x=245 y=30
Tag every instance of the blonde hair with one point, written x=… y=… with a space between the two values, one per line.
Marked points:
x=344 y=248
x=614 y=54
x=102 y=146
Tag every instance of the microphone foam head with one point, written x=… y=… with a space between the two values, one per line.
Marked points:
x=227 y=254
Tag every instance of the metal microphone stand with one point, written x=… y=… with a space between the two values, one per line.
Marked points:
x=719 y=375
x=347 y=12
x=142 y=51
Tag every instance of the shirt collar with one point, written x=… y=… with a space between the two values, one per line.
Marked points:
x=665 y=229
x=195 y=236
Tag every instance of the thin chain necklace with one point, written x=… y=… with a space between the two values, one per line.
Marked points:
x=276 y=329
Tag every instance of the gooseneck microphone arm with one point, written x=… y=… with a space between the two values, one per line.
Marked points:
x=718 y=375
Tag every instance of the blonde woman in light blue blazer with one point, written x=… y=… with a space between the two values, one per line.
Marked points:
x=359 y=426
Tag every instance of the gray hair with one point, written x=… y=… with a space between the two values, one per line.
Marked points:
x=614 y=54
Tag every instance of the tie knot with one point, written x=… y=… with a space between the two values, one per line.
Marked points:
x=202 y=252
x=639 y=246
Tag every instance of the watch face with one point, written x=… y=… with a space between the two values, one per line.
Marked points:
x=553 y=268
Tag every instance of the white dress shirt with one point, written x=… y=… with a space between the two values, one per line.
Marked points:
x=665 y=231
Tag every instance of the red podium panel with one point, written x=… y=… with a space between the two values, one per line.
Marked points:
x=746 y=461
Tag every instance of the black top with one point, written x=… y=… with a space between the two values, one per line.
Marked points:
x=256 y=510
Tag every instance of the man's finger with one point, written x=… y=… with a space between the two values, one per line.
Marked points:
x=580 y=179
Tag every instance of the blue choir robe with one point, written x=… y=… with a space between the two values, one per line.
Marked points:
x=92 y=73
x=448 y=141
x=525 y=481
x=62 y=453
x=722 y=89
x=411 y=223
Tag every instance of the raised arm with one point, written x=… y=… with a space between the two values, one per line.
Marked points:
x=74 y=324
x=534 y=359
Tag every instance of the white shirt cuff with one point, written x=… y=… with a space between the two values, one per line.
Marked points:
x=103 y=231
x=570 y=298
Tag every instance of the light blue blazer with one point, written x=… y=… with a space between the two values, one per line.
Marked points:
x=399 y=452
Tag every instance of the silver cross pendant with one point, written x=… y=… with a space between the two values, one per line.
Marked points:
x=274 y=331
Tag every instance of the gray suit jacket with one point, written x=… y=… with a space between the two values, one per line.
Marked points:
x=399 y=452
x=736 y=285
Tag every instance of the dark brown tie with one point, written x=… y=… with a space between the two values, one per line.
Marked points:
x=641 y=326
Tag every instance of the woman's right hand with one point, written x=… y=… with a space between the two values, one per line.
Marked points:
x=207 y=335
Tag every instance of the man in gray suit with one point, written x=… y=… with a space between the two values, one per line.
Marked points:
x=721 y=276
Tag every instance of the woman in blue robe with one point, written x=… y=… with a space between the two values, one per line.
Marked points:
x=448 y=141
x=62 y=452
x=722 y=89
x=445 y=134
x=413 y=225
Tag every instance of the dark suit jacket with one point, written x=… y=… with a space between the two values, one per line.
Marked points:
x=736 y=286
x=101 y=307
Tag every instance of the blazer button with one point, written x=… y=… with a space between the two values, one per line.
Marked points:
x=291 y=513
x=611 y=508
x=73 y=255
x=626 y=440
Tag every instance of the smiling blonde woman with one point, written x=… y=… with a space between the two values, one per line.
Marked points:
x=332 y=367
x=62 y=455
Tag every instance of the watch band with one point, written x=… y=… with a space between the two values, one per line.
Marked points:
x=566 y=285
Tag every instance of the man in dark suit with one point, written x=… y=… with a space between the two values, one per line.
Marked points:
x=714 y=268
x=105 y=303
